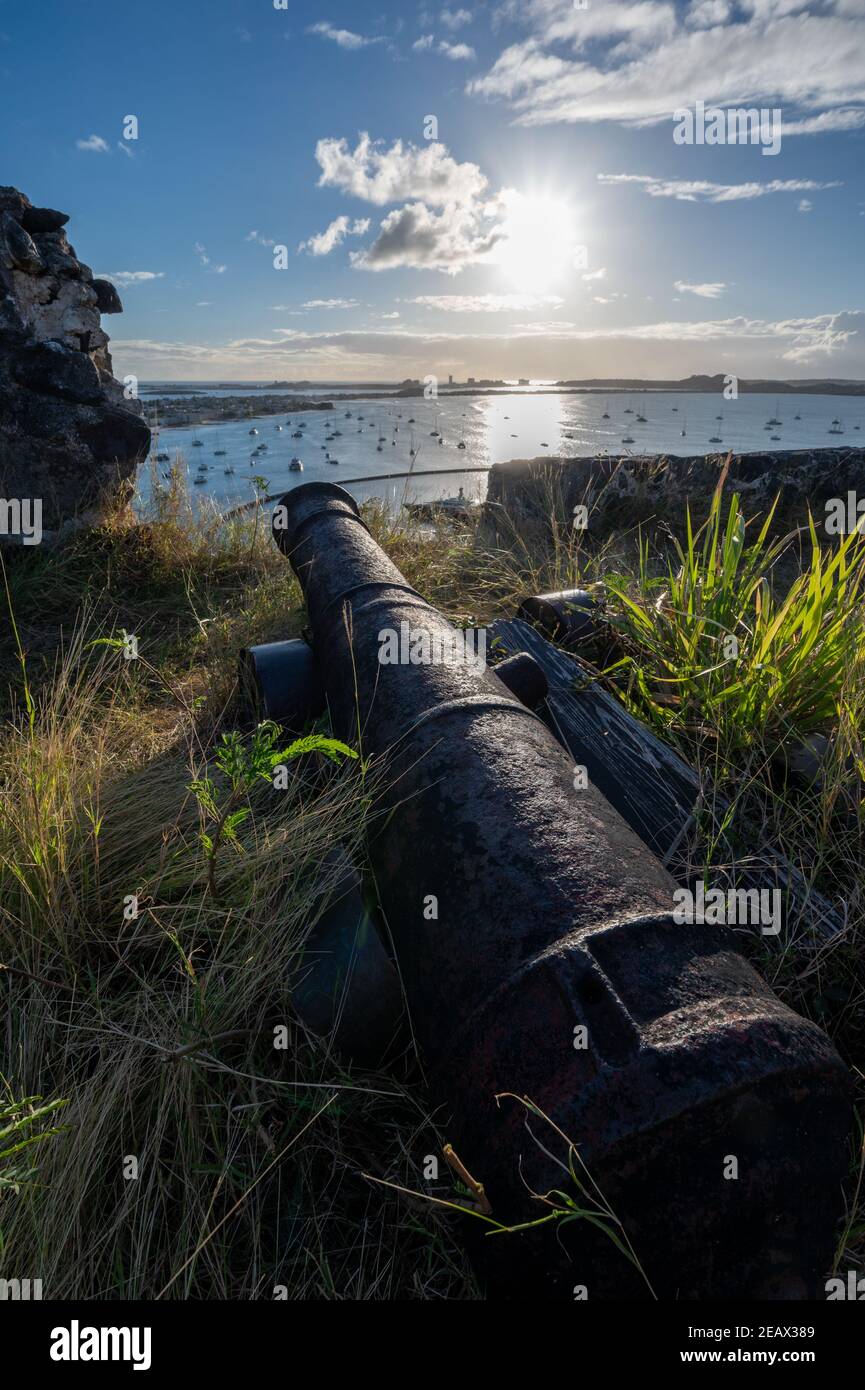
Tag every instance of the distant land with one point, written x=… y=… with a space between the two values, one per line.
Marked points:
x=816 y=386
x=413 y=386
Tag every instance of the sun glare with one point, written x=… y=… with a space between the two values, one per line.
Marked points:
x=538 y=249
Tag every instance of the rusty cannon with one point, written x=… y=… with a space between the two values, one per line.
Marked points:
x=541 y=958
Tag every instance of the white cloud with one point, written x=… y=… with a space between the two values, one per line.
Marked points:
x=805 y=205
x=204 y=260
x=750 y=347
x=457 y=52
x=343 y=38
x=418 y=238
x=94 y=143
x=331 y=304
x=455 y=19
x=599 y=274
x=261 y=240
x=712 y=290
x=124 y=148
x=334 y=235
x=844 y=118
x=125 y=278
x=701 y=190
x=705 y=14
x=486 y=303
x=637 y=61
x=378 y=174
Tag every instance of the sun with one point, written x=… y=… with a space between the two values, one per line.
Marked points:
x=537 y=250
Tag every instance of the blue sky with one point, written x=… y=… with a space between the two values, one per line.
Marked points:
x=304 y=127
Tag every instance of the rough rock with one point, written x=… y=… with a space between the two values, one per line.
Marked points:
x=68 y=437
x=620 y=492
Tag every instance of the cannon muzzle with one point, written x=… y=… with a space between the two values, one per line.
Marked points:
x=539 y=954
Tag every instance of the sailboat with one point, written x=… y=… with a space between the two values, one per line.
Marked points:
x=775 y=420
x=837 y=427
x=716 y=438
x=196 y=442
x=606 y=414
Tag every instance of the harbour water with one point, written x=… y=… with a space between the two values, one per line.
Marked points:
x=377 y=436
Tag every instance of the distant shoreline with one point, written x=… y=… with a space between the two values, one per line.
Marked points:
x=349 y=390
x=193 y=409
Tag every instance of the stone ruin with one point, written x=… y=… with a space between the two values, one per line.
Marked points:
x=69 y=439
x=625 y=491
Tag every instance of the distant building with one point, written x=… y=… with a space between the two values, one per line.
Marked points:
x=523 y=381
x=451 y=379
x=471 y=381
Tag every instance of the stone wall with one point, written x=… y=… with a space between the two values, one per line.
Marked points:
x=68 y=438
x=620 y=492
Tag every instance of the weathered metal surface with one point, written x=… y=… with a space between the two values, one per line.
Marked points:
x=281 y=682
x=521 y=910
x=347 y=988
x=660 y=796
x=567 y=616
x=523 y=677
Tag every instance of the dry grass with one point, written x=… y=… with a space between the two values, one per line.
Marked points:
x=159 y=1030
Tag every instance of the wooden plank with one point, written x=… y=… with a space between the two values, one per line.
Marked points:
x=661 y=796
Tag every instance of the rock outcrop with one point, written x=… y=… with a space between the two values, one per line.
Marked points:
x=623 y=491
x=68 y=437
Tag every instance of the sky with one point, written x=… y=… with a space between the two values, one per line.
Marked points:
x=284 y=189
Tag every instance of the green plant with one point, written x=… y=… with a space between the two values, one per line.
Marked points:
x=712 y=643
x=21 y=1131
x=242 y=765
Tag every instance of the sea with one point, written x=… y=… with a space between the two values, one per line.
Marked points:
x=379 y=436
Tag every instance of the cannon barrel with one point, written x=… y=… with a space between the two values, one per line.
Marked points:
x=539 y=956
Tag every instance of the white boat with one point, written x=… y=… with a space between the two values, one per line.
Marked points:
x=295 y=466
x=253 y=430
x=460 y=506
